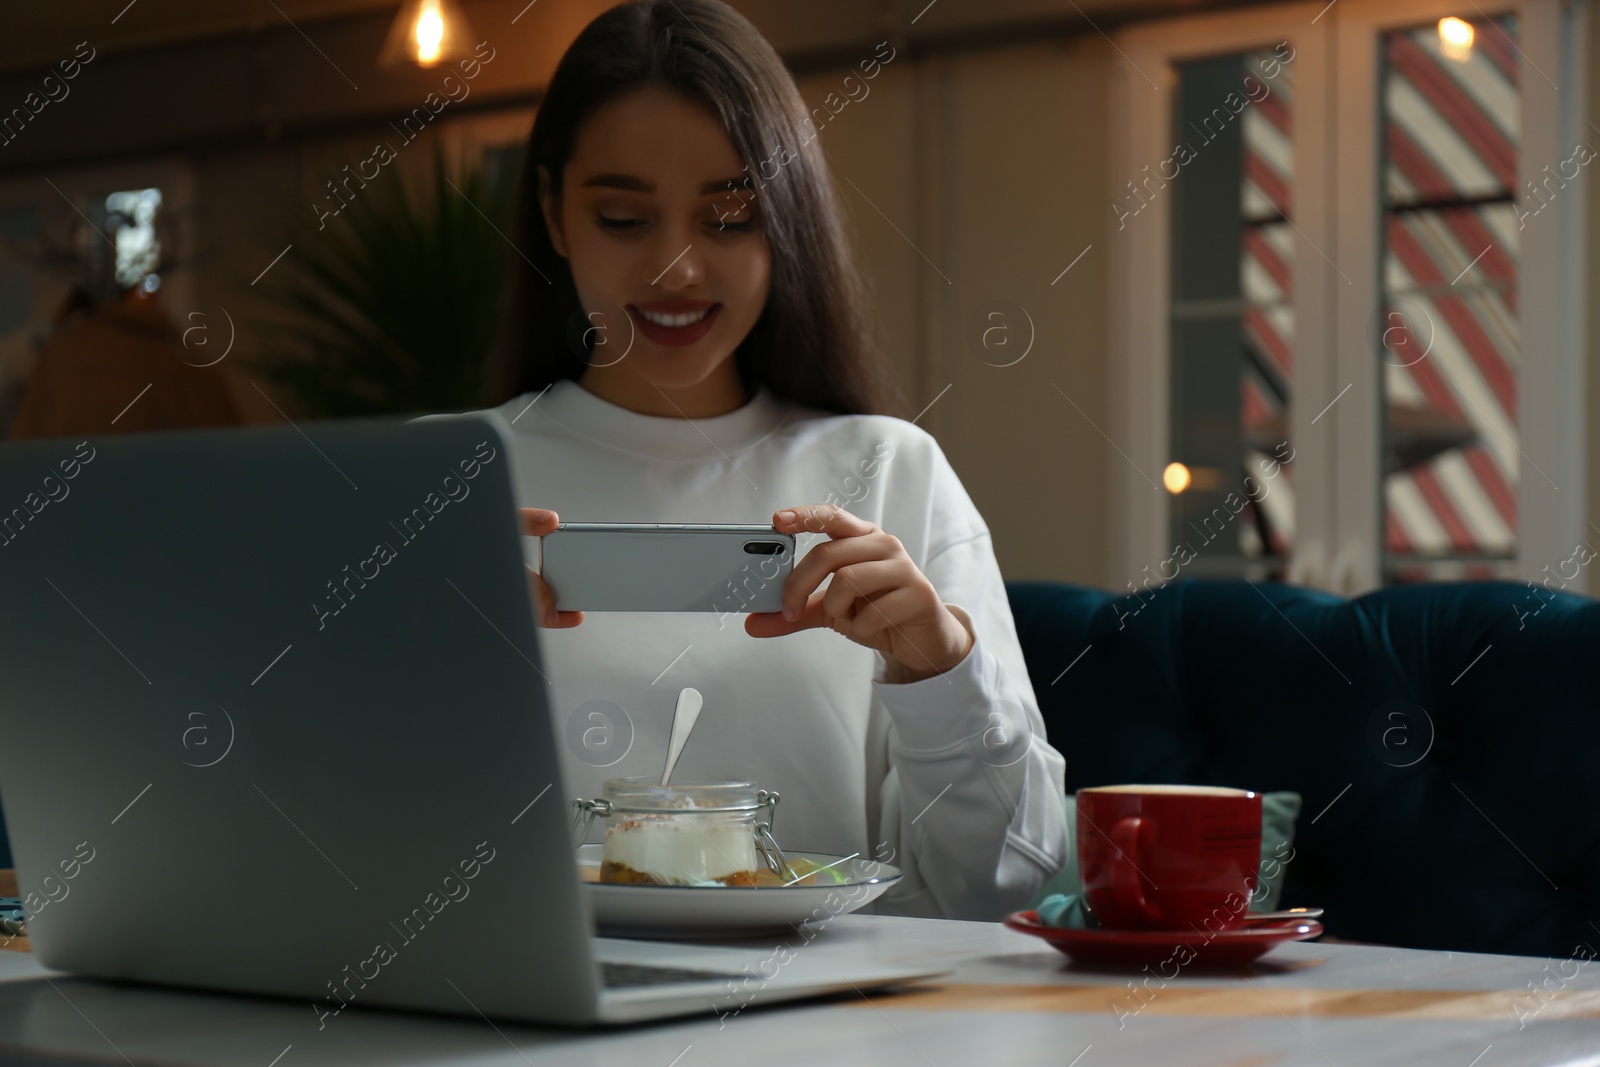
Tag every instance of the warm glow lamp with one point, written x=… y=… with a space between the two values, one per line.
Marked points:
x=1175 y=478
x=1455 y=38
x=427 y=32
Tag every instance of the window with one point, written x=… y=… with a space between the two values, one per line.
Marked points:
x=1448 y=342
x=1339 y=227
x=1232 y=331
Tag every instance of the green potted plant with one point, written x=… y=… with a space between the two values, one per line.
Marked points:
x=396 y=302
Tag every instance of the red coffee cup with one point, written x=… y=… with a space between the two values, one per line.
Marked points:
x=1168 y=857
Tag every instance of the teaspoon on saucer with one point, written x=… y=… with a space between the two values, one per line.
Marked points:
x=1291 y=913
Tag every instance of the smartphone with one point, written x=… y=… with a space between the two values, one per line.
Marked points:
x=613 y=566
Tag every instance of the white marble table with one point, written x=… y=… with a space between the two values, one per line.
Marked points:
x=1009 y=1000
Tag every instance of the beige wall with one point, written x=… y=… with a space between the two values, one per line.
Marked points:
x=1591 y=113
x=991 y=164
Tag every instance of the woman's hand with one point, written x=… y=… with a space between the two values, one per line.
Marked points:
x=538 y=522
x=878 y=596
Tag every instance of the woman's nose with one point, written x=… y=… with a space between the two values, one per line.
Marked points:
x=676 y=261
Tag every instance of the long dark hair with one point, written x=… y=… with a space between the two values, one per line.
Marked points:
x=813 y=343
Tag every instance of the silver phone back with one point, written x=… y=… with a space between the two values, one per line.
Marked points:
x=665 y=567
x=294 y=769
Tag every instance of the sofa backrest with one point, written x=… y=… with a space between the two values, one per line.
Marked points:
x=1445 y=739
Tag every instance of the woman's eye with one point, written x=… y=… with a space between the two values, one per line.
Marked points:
x=733 y=216
x=722 y=223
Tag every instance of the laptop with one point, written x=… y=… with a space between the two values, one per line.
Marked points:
x=275 y=722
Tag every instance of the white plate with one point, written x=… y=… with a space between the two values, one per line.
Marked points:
x=731 y=911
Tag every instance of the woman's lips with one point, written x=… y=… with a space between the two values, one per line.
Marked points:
x=674 y=335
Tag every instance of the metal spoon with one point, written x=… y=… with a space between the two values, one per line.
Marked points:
x=683 y=720
x=1291 y=913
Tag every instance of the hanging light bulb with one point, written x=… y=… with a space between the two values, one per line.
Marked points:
x=429 y=33
x=426 y=32
x=1455 y=38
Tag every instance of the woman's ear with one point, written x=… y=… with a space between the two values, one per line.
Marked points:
x=552 y=217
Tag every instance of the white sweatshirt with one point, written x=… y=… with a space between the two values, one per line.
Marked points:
x=949 y=778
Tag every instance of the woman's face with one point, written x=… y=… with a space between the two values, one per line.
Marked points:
x=662 y=251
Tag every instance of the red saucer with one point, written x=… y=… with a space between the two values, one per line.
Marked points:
x=1135 y=948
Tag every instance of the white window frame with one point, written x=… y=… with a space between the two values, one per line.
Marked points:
x=1338 y=219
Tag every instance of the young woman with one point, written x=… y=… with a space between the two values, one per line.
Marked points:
x=690 y=345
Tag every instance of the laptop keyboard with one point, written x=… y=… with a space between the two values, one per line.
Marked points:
x=632 y=975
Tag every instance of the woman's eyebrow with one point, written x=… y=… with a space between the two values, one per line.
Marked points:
x=639 y=185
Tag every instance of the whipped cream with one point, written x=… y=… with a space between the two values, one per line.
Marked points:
x=682 y=851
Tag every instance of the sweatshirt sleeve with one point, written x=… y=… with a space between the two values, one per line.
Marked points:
x=973 y=802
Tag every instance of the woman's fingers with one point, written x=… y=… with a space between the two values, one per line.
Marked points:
x=829 y=519
x=863 y=582
x=829 y=556
x=544 y=605
x=537 y=522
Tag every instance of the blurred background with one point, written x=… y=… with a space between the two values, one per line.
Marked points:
x=1279 y=291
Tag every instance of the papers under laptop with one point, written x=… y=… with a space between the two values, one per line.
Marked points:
x=277 y=724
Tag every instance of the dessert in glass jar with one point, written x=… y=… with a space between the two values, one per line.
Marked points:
x=697 y=833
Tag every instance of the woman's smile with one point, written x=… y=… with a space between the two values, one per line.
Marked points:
x=674 y=312
x=676 y=324
x=685 y=328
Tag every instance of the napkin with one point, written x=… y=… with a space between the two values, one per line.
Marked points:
x=1066 y=909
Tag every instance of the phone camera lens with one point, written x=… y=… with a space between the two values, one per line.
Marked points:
x=763 y=548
